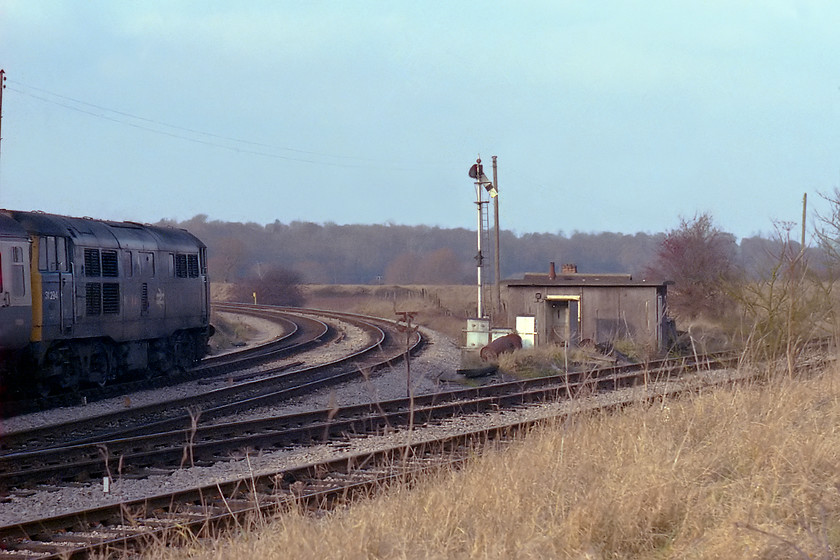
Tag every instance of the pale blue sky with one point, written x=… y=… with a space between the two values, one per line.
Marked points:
x=605 y=116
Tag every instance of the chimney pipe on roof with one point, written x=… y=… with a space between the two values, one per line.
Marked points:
x=552 y=273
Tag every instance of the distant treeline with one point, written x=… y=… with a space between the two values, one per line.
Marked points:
x=396 y=254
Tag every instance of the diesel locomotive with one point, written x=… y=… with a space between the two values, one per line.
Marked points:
x=85 y=301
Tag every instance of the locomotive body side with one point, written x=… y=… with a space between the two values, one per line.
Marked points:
x=113 y=297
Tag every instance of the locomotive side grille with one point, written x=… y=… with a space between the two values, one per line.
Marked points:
x=92 y=267
x=93 y=298
x=144 y=299
x=181 y=265
x=111 y=298
x=109 y=264
x=192 y=266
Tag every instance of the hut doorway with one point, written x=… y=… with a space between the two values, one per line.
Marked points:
x=563 y=319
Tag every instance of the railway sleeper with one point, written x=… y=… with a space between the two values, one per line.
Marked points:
x=45 y=547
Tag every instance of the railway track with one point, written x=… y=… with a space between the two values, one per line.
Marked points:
x=401 y=453
x=268 y=387
x=299 y=332
x=163 y=451
x=401 y=456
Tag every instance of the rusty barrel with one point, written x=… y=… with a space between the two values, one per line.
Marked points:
x=507 y=343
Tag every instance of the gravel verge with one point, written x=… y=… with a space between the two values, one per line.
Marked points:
x=438 y=361
x=439 y=356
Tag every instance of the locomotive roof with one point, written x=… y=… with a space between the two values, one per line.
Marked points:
x=102 y=233
x=10 y=228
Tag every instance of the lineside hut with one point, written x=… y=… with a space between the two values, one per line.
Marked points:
x=571 y=307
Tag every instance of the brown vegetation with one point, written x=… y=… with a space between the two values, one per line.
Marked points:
x=275 y=286
x=395 y=254
x=229 y=333
x=700 y=261
x=786 y=307
x=442 y=308
x=745 y=472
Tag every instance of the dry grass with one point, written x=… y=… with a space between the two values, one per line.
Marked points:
x=438 y=307
x=441 y=308
x=228 y=333
x=747 y=472
x=549 y=359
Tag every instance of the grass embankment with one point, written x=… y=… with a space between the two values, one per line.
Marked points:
x=230 y=332
x=440 y=308
x=745 y=472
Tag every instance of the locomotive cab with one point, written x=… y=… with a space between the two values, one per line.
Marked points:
x=15 y=294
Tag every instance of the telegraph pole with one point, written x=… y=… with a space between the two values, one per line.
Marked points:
x=2 y=87
x=804 y=215
x=498 y=289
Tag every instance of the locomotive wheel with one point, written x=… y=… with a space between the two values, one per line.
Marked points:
x=60 y=373
x=71 y=377
x=183 y=351
x=160 y=357
x=99 y=367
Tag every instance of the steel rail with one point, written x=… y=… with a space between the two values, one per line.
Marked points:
x=206 y=444
x=173 y=414
x=206 y=509
x=294 y=339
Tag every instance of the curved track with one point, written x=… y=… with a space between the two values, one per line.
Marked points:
x=143 y=450
x=299 y=332
x=271 y=386
x=322 y=484
x=164 y=451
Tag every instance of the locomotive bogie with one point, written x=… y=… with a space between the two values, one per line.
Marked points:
x=107 y=299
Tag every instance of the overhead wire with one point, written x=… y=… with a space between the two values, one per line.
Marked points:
x=129 y=119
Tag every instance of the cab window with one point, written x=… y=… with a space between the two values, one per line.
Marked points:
x=52 y=254
x=18 y=273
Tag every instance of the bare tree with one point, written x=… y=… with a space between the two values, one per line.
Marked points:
x=785 y=307
x=275 y=286
x=828 y=239
x=440 y=266
x=828 y=232
x=227 y=256
x=700 y=260
x=401 y=269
